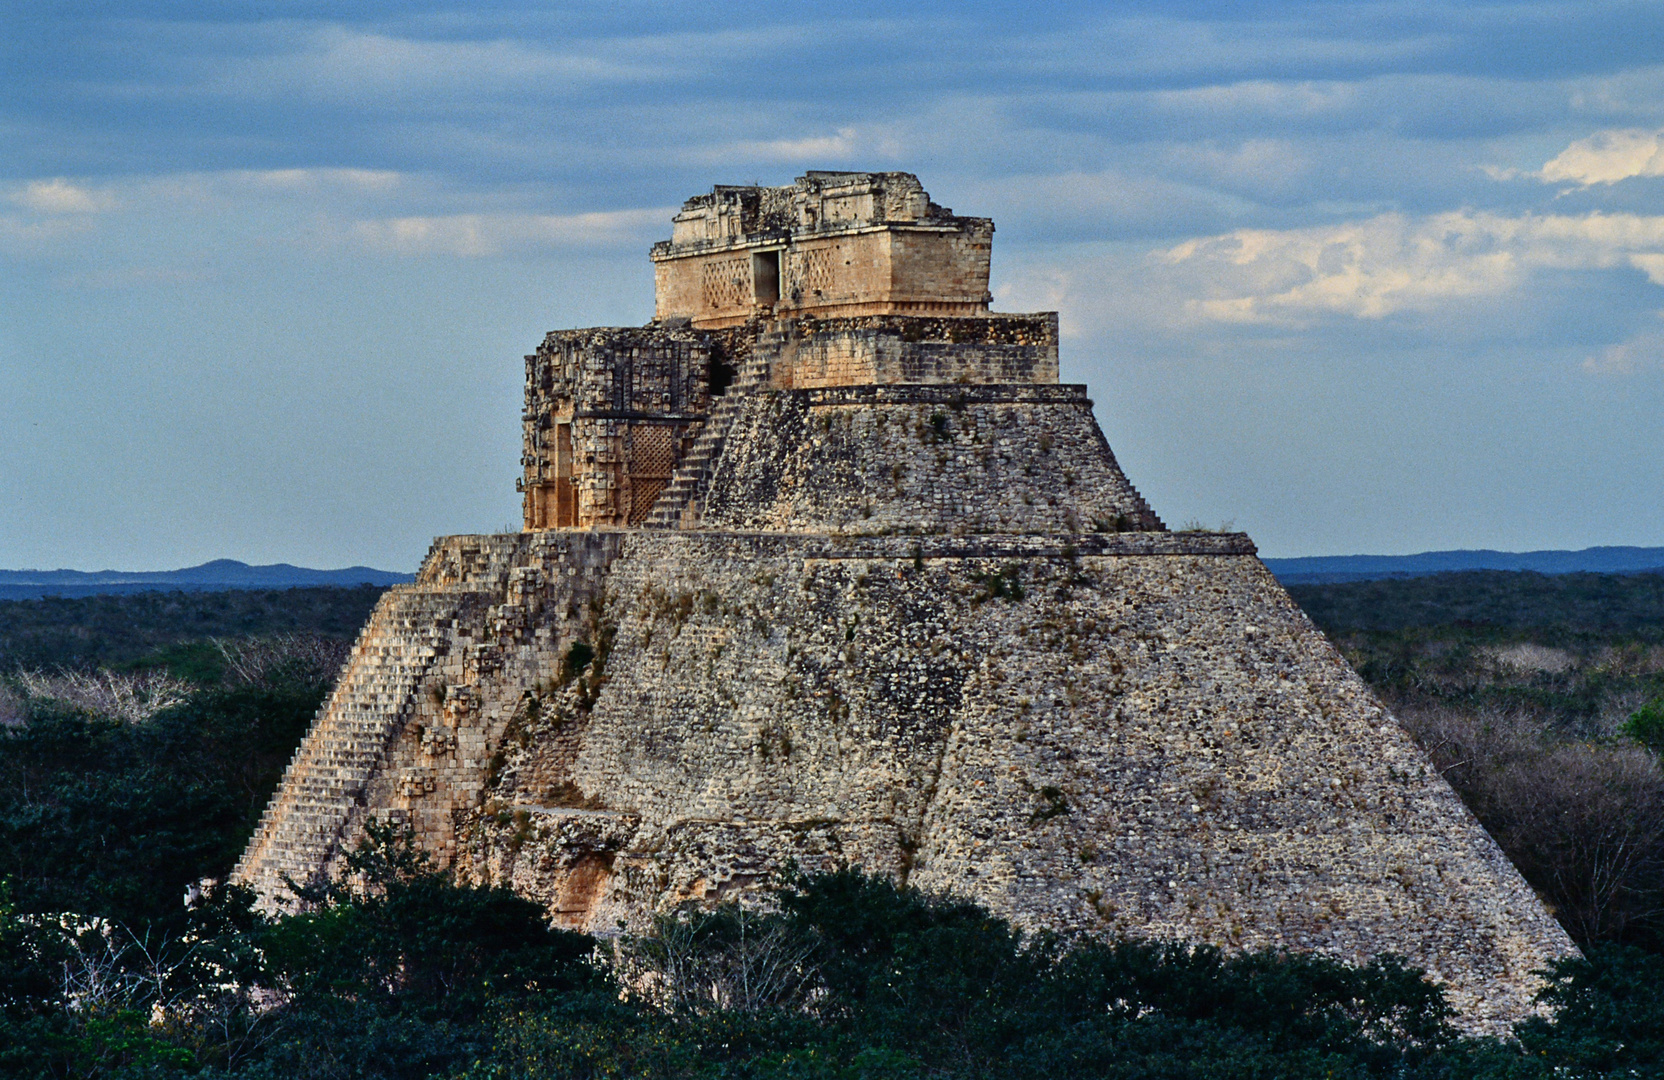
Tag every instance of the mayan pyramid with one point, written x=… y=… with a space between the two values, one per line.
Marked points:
x=824 y=565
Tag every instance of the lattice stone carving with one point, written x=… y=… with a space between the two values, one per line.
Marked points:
x=652 y=451
x=812 y=272
x=644 y=492
x=728 y=282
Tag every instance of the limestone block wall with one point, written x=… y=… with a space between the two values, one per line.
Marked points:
x=928 y=267
x=928 y=270
x=609 y=412
x=1107 y=734
x=826 y=273
x=922 y=459
x=418 y=710
x=890 y=349
x=830 y=244
x=1104 y=733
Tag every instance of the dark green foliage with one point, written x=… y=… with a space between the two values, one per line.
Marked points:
x=137 y=629
x=1004 y=583
x=111 y=818
x=1555 y=607
x=108 y=818
x=575 y=661
x=1609 y=1015
x=909 y=971
x=31 y=1014
x=1646 y=726
x=1055 y=804
x=404 y=974
x=396 y=972
x=400 y=935
x=905 y=985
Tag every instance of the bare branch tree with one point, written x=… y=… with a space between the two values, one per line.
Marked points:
x=131 y=697
x=726 y=959
x=306 y=657
x=1584 y=821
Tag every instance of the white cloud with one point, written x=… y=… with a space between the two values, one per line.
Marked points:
x=478 y=235
x=340 y=63
x=21 y=236
x=1076 y=203
x=54 y=211
x=1643 y=352
x=366 y=180
x=811 y=148
x=378 y=210
x=1607 y=157
x=59 y=196
x=1372 y=268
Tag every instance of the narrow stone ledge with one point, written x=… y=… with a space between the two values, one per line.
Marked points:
x=952 y=395
x=1026 y=547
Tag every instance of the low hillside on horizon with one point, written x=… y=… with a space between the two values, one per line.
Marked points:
x=1317 y=569
x=212 y=576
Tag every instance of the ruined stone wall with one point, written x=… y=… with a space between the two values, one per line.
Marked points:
x=922 y=459
x=418 y=711
x=612 y=412
x=890 y=349
x=609 y=411
x=831 y=244
x=1108 y=735
x=927 y=271
x=930 y=268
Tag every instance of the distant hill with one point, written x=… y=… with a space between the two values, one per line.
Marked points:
x=1326 y=569
x=209 y=577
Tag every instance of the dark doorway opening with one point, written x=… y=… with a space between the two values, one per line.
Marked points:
x=765 y=276
x=719 y=374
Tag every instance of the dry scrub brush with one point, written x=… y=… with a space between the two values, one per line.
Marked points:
x=1583 y=820
x=303 y=658
x=131 y=697
x=135 y=697
x=726 y=960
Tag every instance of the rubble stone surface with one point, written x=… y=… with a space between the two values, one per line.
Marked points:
x=872 y=589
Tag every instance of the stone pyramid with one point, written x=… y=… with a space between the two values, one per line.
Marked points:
x=824 y=565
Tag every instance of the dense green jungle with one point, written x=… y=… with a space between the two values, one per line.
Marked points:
x=142 y=735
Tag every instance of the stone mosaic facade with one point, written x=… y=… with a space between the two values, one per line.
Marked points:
x=872 y=588
x=830 y=244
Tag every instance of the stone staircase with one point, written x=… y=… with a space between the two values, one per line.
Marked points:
x=678 y=506
x=325 y=782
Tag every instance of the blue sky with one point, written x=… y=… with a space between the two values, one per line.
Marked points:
x=1356 y=277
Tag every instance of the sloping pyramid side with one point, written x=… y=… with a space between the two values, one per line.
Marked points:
x=932 y=631
x=1085 y=736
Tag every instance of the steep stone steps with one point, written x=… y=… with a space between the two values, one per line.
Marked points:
x=326 y=778
x=679 y=504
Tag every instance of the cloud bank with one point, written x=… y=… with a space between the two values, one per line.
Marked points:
x=1373 y=268
x=1290 y=244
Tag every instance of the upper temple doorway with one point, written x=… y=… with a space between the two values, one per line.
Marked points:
x=765 y=277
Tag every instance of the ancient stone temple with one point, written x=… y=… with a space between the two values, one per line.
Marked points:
x=824 y=564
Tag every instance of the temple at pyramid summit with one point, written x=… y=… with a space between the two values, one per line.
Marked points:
x=824 y=565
